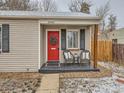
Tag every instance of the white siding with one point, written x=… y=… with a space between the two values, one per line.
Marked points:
x=119 y=35
x=24 y=46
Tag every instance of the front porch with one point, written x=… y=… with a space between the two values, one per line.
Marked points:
x=58 y=37
x=72 y=67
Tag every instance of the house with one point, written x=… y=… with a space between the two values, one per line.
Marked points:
x=117 y=36
x=28 y=39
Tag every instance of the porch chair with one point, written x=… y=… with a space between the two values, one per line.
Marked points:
x=85 y=57
x=68 y=56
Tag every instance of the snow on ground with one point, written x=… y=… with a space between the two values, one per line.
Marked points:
x=96 y=85
x=116 y=68
x=19 y=82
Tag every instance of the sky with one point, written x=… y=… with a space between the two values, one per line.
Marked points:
x=117 y=8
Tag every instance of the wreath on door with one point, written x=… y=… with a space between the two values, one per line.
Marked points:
x=53 y=40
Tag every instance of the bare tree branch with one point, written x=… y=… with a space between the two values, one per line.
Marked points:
x=112 y=22
x=35 y=5
x=75 y=5
x=103 y=12
x=2 y=3
x=14 y=4
x=80 y=6
x=49 y=6
x=85 y=6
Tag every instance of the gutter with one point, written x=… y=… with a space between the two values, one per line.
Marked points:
x=50 y=17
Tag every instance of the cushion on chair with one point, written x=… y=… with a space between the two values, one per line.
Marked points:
x=69 y=55
x=87 y=56
x=83 y=55
x=66 y=55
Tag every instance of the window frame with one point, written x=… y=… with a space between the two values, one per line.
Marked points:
x=114 y=41
x=1 y=39
x=73 y=30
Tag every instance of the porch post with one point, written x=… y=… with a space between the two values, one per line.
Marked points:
x=95 y=45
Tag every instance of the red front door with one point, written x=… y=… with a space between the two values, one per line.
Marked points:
x=53 y=46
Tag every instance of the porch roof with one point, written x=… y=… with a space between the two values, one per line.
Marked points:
x=45 y=15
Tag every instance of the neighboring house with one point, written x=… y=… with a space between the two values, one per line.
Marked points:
x=28 y=39
x=117 y=36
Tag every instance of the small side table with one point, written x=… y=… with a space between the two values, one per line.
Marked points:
x=76 y=58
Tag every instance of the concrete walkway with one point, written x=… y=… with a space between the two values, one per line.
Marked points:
x=49 y=84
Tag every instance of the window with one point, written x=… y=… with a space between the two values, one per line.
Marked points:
x=0 y=38
x=4 y=38
x=72 y=39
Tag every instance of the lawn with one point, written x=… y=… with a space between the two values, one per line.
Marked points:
x=19 y=82
x=94 y=82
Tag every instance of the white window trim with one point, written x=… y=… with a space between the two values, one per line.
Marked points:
x=73 y=30
x=1 y=39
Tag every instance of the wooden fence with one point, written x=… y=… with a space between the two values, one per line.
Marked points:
x=104 y=52
x=118 y=52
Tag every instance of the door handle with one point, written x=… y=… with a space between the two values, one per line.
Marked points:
x=58 y=48
x=53 y=48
